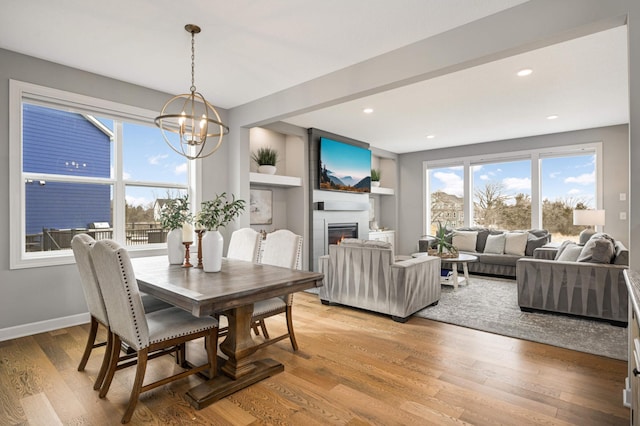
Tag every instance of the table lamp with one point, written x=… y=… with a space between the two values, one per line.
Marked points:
x=590 y=218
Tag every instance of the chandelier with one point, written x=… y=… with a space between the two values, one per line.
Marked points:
x=190 y=125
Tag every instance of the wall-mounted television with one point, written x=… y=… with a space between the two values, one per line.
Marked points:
x=344 y=167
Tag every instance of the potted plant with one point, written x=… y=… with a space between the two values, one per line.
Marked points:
x=266 y=159
x=173 y=215
x=213 y=215
x=375 y=177
x=443 y=247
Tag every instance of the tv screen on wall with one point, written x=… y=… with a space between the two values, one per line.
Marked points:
x=344 y=167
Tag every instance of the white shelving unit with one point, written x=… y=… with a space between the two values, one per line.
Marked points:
x=382 y=191
x=274 y=180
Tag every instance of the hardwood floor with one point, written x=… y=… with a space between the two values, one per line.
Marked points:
x=353 y=368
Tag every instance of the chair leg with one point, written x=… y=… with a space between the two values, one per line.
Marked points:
x=105 y=361
x=211 y=345
x=91 y=339
x=263 y=326
x=292 y=336
x=114 y=356
x=254 y=326
x=137 y=385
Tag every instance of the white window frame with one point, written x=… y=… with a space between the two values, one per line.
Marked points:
x=21 y=91
x=535 y=155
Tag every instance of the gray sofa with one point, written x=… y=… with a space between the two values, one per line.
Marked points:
x=566 y=280
x=363 y=274
x=494 y=261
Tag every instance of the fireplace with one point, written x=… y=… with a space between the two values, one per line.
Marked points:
x=336 y=232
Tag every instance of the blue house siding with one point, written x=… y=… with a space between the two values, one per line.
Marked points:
x=64 y=143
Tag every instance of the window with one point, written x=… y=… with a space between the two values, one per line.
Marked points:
x=537 y=189
x=85 y=165
x=502 y=195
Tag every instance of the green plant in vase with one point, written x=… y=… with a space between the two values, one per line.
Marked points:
x=375 y=177
x=174 y=214
x=266 y=159
x=443 y=247
x=213 y=215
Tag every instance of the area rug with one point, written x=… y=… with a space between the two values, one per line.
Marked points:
x=491 y=305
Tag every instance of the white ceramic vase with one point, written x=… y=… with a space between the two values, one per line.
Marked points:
x=375 y=183
x=266 y=169
x=212 y=244
x=175 y=249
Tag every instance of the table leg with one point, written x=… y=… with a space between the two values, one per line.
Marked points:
x=239 y=370
x=465 y=269
x=454 y=267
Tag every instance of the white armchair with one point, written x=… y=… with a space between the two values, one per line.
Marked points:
x=363 y=274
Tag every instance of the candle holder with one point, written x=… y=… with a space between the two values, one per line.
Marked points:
x=187 y=264
x=199 y=232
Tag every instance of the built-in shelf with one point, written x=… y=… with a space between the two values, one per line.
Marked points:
x=274 y=180
x=382 y=191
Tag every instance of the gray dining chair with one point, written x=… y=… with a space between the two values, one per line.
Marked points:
x=81 y=245
x=164 y=331
x=280 y=248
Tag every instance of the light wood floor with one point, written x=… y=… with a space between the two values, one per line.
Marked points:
x=353 y=368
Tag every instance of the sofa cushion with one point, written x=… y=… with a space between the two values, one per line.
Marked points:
x=562 y=247
x=535 y=241
x=515 y=243
x=570 y=253
x=495 y=244
x=599 y=249
x=465 y=240
x=622 y=255
x=498 y=259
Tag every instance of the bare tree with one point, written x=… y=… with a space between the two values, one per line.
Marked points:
x=488 y=203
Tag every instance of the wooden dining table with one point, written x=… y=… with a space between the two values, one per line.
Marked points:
x=232 y=293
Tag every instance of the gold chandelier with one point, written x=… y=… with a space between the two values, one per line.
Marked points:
x=190 y=125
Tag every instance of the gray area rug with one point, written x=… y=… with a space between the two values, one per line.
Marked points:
x=491 y=304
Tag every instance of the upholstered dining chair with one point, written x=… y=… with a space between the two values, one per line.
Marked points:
x=244 y=245
x=166 y=330
x=280 y=248
x=81 y=245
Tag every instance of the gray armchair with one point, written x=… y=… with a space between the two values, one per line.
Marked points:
x=589 y=289
x=363 y=274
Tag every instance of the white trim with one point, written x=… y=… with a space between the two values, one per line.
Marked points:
x=534 y=155
x=43 y=326
x=21 y=91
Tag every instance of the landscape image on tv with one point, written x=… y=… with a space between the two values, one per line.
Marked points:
x=344 y=167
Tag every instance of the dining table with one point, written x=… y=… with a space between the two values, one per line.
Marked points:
x=231 y=292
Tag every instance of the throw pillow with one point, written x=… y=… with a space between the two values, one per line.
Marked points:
x=515 y=243
x=563 y=246
x=495 y=244
x=570 y=253
x=597 y=250
x=465 y=240
x=534 y=242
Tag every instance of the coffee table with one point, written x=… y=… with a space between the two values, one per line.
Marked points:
x=463 y=259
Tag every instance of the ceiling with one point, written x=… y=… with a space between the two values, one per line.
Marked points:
x=249 y=49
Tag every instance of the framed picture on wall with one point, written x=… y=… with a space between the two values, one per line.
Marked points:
x=260 y=209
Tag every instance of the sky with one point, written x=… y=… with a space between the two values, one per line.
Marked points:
x=147 y=157
x=563 y=178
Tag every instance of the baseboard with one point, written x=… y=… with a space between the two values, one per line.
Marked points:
x=43 y=326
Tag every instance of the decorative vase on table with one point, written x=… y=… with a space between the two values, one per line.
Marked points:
x=175 y=249
x=212 y=245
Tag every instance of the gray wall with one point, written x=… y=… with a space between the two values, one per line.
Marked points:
x=48 y=293
x=52 y=293
x=615 y=149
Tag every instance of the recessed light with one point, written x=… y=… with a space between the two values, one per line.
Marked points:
x=552 y=117
x=431 y=136
x=525 y=72
x=367 y=110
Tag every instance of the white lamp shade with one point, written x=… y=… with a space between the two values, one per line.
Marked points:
x=588 y=217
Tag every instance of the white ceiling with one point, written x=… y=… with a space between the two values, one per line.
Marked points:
x=249 y=49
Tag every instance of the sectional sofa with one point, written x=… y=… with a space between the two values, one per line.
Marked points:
x=497 y=251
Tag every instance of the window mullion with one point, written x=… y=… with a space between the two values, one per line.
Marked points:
x=119 y=189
